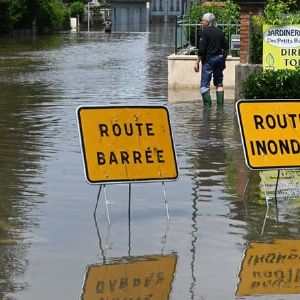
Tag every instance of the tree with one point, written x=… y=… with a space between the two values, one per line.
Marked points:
x=76 y=9
x=15 y=14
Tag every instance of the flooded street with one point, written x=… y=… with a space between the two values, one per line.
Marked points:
x=217 y=245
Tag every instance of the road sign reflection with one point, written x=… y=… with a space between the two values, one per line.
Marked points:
x=270 y=269
x=136 y=278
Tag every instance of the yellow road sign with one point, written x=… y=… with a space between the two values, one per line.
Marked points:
x=270 y=269
x=145 y=277
x=270 y=131
x=127 y=143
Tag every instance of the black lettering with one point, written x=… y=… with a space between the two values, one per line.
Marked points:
x=284 y=146
x=124 y=157
x=128 y=131
x=293 y=116
x=137 y=157
x=279 y=274
x=252 y=148
x=267 y=284
x=258 y=259
x=103 y=129
x=112 y=284
x=139 y=126
x=159 y=154
x=297 y=277
x=282 y=121
x=149 y=127
x=261 y=147
x=267 y=274
x=280 y=258
x=250 y=259
x=278 y=283
x=123 y=282
x=101 y=158
x=100 y=287
x=113 y=158
x=148 y=280
x=272 y=147
x=116 y=128
x=160 y=277
x=271 y=121
x=255 y=284
x=136 y=282
x=258 y=120
x=292 y=256
x=270 y=258
x=148 y=154
x=295 y=146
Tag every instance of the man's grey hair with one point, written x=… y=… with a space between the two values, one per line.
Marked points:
x=209 y=17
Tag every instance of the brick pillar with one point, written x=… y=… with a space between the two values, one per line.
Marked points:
x=245 y=36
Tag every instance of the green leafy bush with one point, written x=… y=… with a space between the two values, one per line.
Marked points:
x=76 y=9
x=224 y=15
x=279 y=84
x=230 y=14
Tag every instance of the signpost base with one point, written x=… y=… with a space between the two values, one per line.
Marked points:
x=107 y=202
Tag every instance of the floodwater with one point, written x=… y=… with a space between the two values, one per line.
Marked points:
x=222 y=241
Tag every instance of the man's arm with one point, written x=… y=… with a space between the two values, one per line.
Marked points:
x=196 y=66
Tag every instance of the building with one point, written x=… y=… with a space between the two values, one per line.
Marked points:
x=129 y=15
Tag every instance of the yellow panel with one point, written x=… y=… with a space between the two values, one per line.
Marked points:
x=281 y=47
x=270 y=131
x=148 y=277
x=127 y=143
x=270 y=269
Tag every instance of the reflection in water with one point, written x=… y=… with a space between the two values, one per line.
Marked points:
x=23 y=126
x=270 y=269
x=143 y=277
x=140 y=277
x=46 y=230
x=42 y=81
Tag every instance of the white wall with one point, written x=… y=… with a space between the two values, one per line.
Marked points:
x=181 y=72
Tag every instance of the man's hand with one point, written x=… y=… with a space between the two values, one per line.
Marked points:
x=196 y=67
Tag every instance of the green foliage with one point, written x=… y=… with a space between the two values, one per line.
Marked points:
x=279 y=84
x=224 y=15
x=76 y=9
x=279 y=12
x=16 y=14
x=11 y=13
x=276 y=12
x=230 y=14
x=50 y=14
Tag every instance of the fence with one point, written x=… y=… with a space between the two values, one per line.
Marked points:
x=186 y=37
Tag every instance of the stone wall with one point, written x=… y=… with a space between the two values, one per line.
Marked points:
x=181 y=72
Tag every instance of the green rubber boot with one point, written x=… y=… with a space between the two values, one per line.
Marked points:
x=220 y=98
x=206 y=99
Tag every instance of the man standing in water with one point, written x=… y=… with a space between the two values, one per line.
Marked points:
x=212 y=52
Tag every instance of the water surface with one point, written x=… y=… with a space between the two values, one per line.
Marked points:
x=49 y=239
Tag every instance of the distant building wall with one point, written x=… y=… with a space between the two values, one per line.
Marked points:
x=129 y=15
